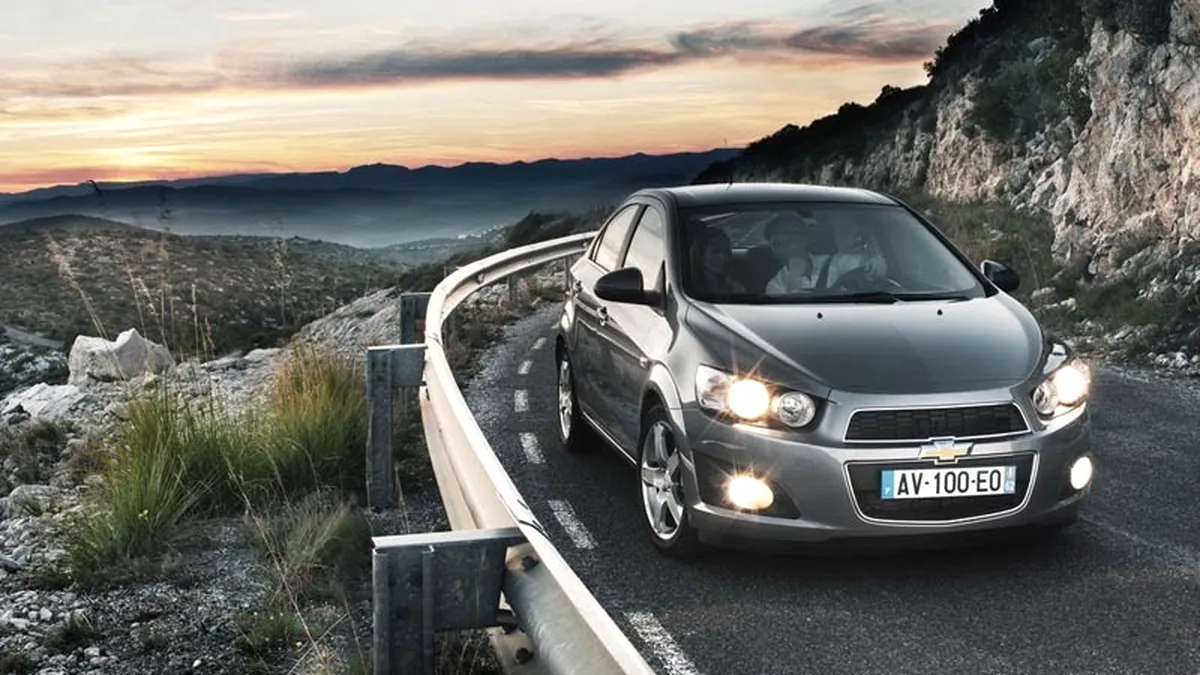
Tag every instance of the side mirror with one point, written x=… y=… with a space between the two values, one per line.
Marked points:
x=1005 y=277
x=625 y=285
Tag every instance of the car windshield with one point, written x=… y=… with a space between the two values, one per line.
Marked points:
x=817 y=252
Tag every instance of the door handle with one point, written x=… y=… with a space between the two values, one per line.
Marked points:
x=577 y=286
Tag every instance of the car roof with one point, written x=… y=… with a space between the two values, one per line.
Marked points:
x=717 y=194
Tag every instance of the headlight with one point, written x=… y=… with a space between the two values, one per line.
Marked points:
x=748 y=399
x=1068 y=386
x=751 y=400
x=795 y=409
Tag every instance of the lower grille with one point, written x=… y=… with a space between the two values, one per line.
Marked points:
x=864 y=480
x=921 y=424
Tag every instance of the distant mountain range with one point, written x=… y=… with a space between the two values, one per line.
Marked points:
x=367 y=206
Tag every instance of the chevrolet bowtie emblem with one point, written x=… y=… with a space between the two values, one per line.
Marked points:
x=945 y=450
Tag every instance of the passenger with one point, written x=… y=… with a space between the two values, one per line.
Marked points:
x=712 y=268
x=792 y=236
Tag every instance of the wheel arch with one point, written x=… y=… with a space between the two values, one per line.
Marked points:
x=661 y=388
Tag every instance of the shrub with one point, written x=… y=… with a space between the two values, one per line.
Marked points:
x=177 y=458
x=318 y=420
x=310 y=544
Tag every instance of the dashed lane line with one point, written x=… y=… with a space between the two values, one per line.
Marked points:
x=533 y=452
x=541 y=342
x=525 y=366
x=520 y=400
x=661 y=644
x=575 y=529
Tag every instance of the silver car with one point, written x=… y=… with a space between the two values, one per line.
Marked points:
x=791 y=363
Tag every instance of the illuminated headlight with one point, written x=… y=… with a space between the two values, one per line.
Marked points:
x=750 y=493
x=1067 y=386
x=751 y=400
x=748 y=399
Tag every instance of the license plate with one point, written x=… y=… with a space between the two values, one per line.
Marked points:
x=948 y=482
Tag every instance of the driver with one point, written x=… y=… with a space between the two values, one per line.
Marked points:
x=791 y=235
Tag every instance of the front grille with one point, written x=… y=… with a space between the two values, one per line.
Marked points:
x=921 y=424
x=864 y=480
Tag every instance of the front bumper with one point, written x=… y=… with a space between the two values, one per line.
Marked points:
x=829 y=490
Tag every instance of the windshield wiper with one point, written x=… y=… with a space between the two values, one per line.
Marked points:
x=932 y=296
x=880 y=297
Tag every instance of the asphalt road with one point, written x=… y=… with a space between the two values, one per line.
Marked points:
x=1117 y=593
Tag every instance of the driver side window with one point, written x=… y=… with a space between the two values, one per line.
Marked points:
x=608 y=249
x=646 y=250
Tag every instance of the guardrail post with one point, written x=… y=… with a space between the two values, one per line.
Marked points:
x=513 y=289
x=380 y=491
x=431 y=582
x=412 y=317
x=388 y=368
x=412 y=331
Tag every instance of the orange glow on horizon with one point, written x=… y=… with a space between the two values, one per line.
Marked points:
x=726 y=103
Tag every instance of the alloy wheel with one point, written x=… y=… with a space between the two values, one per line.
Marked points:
x=662 y=487
x=566 y=400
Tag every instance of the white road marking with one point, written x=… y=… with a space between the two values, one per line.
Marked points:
x=525 y=366
x=541 y=342
x=575 y=529
x=661 y=643
x=529 y=443
x=520 y=400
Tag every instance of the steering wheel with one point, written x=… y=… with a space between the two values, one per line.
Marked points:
x=861 y=279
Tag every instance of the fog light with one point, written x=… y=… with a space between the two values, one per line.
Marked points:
x=752 y=494
x=1081 y=473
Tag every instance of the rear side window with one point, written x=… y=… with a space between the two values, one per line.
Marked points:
x=613 y=236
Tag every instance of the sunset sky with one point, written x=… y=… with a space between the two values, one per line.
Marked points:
x=134 y=89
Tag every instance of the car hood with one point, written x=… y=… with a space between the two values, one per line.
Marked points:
x=913 y=347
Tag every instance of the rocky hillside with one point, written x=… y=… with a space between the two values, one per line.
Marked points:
x=64 y=279
x=1085 y=111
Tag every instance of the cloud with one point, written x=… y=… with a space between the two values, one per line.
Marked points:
x=867 y=36
x=258 y=16
x=873 y=37
x=109 y=76
x=863 y=35
x=403 y=65
x=51 y=112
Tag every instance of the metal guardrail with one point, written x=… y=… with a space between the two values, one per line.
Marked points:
x=498 y=555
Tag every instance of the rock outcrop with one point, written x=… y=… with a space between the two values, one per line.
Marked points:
x=128 y=357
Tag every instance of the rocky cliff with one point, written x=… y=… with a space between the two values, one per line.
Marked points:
x=1086 y=111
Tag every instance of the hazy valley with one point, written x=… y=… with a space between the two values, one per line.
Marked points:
x=368 y=206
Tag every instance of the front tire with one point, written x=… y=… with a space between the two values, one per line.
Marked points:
x=660 y=479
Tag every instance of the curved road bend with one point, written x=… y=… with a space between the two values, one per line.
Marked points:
x=1117 y=593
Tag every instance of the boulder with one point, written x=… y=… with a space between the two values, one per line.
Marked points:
x=128 y=357
x=52 y=403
